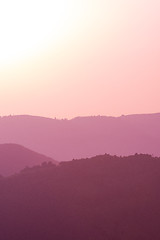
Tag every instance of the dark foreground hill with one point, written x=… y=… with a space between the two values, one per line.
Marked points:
x=102 y=198
x=84 y=136
x=14 y=158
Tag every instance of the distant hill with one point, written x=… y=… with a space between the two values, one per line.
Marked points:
x=81 y=137
x=14 y=158
x=102 y=198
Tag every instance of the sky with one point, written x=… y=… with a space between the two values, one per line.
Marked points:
x=67 y=58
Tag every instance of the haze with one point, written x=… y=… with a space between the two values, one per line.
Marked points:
x=64 y=59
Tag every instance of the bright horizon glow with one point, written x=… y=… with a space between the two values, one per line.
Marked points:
x=26 y=27
x=67 y=58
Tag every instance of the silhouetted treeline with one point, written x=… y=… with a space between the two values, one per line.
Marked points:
x=101 y=198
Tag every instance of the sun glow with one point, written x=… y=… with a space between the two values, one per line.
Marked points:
x=28 y=26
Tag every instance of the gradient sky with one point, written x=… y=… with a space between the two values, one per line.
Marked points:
x=67 y=58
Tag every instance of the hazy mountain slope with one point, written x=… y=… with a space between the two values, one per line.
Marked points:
x=104 y=198
x=84 y=136
x=14 y=158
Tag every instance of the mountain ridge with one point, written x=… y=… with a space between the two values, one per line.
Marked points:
x=14 y=158
x=82 y=137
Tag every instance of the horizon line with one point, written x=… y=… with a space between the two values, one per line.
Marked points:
x=80 y=116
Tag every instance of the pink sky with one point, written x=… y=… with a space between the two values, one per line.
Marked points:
x=93 y=58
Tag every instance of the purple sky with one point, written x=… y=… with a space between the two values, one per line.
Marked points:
x=71 y=58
